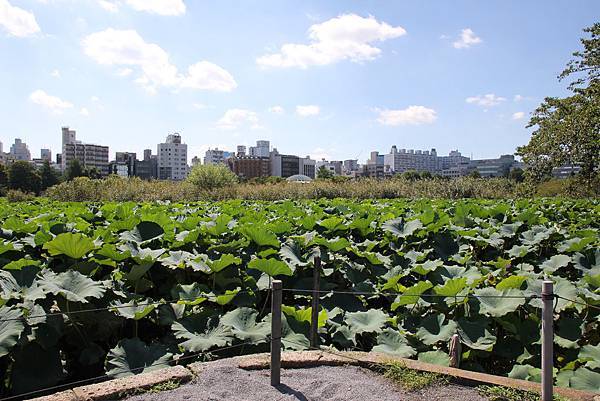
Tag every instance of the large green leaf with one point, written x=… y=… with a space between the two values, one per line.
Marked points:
x=72 y=285
x=402 y=228
x=244 y=325
x=201 y=334
x=434 y=357
x=11 y=327
x=74 y=246
x=590 y=354
x=272 y=267
x=432 y=329
x=585 y=379
x=133 y=356
x=261 y=236
x=370 y=321
x=145 y=231
x=390 y=341
x=451 y=287
x=498 y=303
x=412 y=294
x=475 y=333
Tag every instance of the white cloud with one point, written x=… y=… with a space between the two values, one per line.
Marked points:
x=124 y=72
x=308 y=110
x=200 y=106
x=276 y=110
x=160 y=7
x=412 y=115
x=95 y=99
x=486 y=100
x=111 y=6
x=519 y=115
x=519 y=98
x=52 y=103
x=346 y=37
x=16 y=21
x=320 y=154
x=237 y=118
x=55 y=73
x=467 y=39
x=84 y=112
x=128 y=48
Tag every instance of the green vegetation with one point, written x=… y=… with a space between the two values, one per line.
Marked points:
x=567 y=130
x=499 y=393
x=410 y=379
x=211 y=176
x=173 y=279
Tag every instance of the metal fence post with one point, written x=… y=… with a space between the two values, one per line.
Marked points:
x=276 y=333
x=547 y=340
x=314 y=318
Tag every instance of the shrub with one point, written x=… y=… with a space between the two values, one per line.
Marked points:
x=211 y=176
x=14 y=195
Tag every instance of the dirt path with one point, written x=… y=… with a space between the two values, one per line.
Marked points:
x=224 y=381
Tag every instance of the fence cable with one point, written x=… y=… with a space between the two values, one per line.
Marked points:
x=401 y=295
x=111 y=308
x=591 y=306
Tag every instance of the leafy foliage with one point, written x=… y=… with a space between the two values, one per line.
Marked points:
x=174 y=279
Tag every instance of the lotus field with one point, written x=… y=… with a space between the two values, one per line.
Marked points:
x=88 y=289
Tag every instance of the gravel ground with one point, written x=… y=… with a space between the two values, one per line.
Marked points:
x=224 y=381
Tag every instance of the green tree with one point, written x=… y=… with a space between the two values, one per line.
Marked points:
x=93 y=173
x=323 y=173
x=567 y=130
x=475 y=174
x=516 y=174
x=3 y=179
x=426 y=175
x=211 y=176
x=73 y=170
x=48 y=176
x=23 y=176
x=411 y=175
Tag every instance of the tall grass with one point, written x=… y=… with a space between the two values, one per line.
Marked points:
x=134 y=189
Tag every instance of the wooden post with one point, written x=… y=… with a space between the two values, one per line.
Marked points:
x=276 y=333
x=455 y=351
x=314 y=318
x=547 y=340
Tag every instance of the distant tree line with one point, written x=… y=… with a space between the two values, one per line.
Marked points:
x=25 y=177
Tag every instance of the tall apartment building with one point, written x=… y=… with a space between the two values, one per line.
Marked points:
x=349 y=166
x=499 y=167
x=172 y=159
x=262 y=149
x=216 y=156
x=250 y=166
x=19 y=150
x=124 y=164
x=46 y=154
x=90 y=156
x=147 y=169
x=308 y=167
x=399 y=161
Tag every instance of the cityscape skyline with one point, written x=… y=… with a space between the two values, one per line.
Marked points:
x=333 y=80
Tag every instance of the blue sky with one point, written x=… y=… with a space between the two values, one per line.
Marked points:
x=332 y=79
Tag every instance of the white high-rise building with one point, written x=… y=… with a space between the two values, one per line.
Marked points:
x=19 y=150
x=89 y=155
x=172 y=159
x=262 y=149
x=215 y=156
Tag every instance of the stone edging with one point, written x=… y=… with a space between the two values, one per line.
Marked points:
x=115 y=389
